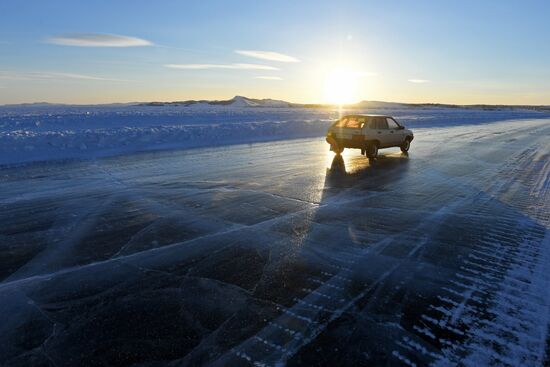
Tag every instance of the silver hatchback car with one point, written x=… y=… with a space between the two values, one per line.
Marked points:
x=368 y=133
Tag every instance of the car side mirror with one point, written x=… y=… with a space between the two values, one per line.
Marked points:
x=401 y=127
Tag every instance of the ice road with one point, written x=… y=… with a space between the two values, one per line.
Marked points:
x=282 y=253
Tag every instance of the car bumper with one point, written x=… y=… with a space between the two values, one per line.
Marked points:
x=346 y=143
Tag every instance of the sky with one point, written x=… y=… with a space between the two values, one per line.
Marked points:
x=462 y=52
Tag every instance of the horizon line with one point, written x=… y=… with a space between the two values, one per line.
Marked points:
x=252 y=98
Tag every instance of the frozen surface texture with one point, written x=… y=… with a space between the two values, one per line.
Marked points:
x=282 y=253
x=37 y=133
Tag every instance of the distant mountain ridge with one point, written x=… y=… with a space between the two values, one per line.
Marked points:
x=240 y=101
x=245 y=102
x=237 y=101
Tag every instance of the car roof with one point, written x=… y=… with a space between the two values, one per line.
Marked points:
x=365 y=115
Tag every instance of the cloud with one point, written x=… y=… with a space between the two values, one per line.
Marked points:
x=418 y=81
x=220 y=66
x=47 y=75
x=267 y=55
x=85 y=77
x=269 y=77
x=97 y=40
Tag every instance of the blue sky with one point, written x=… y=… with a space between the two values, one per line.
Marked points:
x=311 y=51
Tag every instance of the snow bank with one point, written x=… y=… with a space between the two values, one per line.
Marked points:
x=24 y=145
x=31 y=133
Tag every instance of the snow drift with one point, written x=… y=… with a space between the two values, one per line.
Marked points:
x=44 y=132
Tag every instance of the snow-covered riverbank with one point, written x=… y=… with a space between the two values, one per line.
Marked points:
x=34 y=133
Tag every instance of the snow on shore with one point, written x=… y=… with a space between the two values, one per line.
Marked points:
x=45 y=132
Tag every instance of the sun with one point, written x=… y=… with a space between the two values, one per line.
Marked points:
x=341 y=87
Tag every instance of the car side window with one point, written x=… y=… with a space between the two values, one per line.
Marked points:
x=354 y=123
x=391 y=123
x=381 y=123
x=341 y=123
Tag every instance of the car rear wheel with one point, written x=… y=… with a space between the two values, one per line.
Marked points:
x=336 y=149
x=372 y=150
x=406 y=145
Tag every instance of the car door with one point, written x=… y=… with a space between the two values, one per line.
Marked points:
x=381 y=131
x=395 y=135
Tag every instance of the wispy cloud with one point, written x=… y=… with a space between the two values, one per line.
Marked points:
x=77 y=76
x=48 y=75
x=269 y=77
x=419 y=81
x=220 y=66
x=97 y=40
x=267 y=55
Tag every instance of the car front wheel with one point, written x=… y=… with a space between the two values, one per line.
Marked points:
x=406 y=145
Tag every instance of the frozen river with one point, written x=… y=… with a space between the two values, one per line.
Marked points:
x=282 y=253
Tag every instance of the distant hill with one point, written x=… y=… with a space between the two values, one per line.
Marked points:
x=237 y=101
x=48 y=104
x=240 y=101
x=245 y=102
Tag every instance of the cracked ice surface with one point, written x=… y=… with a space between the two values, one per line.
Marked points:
x=277 y=253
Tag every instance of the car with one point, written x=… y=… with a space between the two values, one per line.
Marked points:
x=368 y=133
